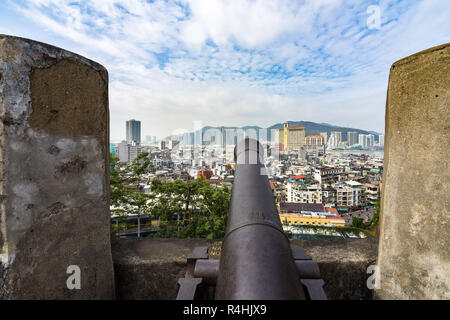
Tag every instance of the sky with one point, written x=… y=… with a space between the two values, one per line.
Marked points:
x=175 y=65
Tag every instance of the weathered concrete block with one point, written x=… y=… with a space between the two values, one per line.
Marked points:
x=414 y=255
x=54 y=181
x=149 y=268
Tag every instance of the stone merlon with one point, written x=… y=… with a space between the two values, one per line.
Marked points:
x=54 y=162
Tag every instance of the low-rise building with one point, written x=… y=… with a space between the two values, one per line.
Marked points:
x=371 y=193
x=303 y=194
x=350 y=194
x=128 y=152
x=309 y=214
x=328 y=174
x=344 y=196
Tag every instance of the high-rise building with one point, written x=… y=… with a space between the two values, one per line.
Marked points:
x=291 y=138
x=362 y=140
x=314 y=140
x=381 y=140
x=332 y=142
x=338 y=136
x=314 y=145
x=366 y=141
x=325 y=137
x=352 y=138
x=223 y=135
x=134 y=131
x=370 y=140
x=335 y=140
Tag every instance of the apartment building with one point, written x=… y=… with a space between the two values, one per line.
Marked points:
x=303 y=194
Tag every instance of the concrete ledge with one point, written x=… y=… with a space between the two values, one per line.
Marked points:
x=149 y=268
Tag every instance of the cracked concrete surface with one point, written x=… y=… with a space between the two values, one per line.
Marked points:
x=54 y=187
x=413 y=256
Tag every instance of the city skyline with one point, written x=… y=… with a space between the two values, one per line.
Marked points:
x=171 y=63
x=179 y=134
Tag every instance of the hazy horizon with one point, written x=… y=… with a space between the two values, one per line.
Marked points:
x=179 y=132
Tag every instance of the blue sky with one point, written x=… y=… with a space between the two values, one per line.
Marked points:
x=237 y=62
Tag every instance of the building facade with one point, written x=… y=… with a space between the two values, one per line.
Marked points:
x=335 y=140
x=352 y=138
x=366 y=141
x=303 y=194
x=328 y=175
x=316 y=140
x=350 y=194
x=127 y=152
x=309 y=214
x=381 y=140
x=290 y=138
x=133 y=131
x=372 y=193
x=314 y=145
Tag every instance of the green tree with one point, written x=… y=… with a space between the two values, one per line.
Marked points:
x=185 y=209
x=376 y=217
x=357 y=222
x=125 y=196
x=192 y=209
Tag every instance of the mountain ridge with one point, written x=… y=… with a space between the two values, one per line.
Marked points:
x=312 y=128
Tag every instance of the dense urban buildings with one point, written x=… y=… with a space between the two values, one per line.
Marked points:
x=314 y=182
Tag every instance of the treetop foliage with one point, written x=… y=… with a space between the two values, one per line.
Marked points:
x=184 y=209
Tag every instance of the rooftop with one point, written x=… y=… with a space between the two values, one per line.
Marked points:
x=353 y=183
x=298 y=177
x=331 y=210
x=299 y=207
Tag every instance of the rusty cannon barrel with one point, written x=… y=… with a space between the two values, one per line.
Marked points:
x=256 y=260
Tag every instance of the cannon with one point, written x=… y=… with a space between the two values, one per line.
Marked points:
x=256 y=260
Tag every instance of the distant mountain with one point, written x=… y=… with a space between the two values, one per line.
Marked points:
x=312 y=128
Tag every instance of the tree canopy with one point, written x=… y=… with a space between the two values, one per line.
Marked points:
x=184 y=209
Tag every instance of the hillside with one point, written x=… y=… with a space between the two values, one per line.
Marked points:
x=313 y=128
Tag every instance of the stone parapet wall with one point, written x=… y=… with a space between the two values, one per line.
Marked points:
x=149 y=268
x=54 y=179
x=414 y=255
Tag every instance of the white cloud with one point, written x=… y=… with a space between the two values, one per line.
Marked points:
x=239 y=62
